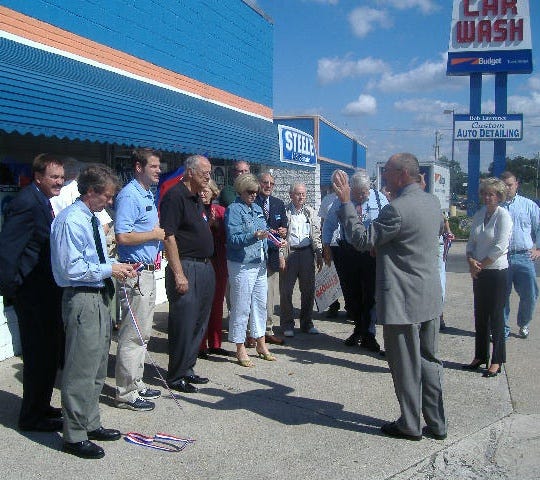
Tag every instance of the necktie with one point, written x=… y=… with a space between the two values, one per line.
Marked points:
x=266 y=208
x=101 y=255
x=359 y=211
x=51 y=209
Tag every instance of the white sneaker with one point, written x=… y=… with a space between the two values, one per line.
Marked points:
x=524 y=332
x=288 y=333
x=313 y=331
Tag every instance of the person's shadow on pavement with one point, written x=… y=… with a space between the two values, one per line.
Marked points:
x=275 y=403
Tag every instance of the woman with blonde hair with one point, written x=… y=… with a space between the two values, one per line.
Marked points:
x=486 y=254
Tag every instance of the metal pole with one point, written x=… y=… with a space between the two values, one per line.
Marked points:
x=453 y=135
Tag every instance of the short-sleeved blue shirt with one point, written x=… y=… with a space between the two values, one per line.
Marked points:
x=136 y=212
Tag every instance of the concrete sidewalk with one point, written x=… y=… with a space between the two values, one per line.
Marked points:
x=315 y=413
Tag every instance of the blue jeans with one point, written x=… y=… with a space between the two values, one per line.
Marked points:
x=522 y=276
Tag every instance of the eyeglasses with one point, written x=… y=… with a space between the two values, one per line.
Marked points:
x=252 y=192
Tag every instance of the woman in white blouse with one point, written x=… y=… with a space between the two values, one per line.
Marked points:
x=486 y=254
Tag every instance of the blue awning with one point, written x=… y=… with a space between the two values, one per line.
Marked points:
x=43 y=93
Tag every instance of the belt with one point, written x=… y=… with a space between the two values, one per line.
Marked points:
x=88 y=289
x=517 y=252
x=296 y=249
x=145 y=266
x=196 y=259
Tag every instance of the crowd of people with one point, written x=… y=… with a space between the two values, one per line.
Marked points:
x=245 y=247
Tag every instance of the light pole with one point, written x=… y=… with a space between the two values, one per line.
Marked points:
x=448 y=112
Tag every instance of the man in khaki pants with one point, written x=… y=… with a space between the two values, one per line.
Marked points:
x=138 y=236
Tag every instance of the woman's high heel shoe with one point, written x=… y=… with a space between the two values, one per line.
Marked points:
x=245 y=362
x=267 y=356
x=489 y=374
x=474 y=365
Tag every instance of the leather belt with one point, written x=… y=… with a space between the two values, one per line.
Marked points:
x=146 y=266
x=517 y=252
x=296 y=249
x=196 y=259
x=88 y=289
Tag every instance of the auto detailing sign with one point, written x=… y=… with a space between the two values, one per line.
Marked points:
x=490 y=36
x=296 y=147
x=488 y=127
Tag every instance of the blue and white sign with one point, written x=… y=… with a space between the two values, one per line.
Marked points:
x=296 y=147
x=488 y=127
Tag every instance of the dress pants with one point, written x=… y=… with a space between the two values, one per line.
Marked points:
x=411 y=350
x=188 y=316
x=273 y=299
x=87 y=321
x=39 y=315
x=300 y=267
x=489 y=297
x=131 y=352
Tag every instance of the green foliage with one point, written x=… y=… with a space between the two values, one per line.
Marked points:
x=526 y=171
x=460 y=226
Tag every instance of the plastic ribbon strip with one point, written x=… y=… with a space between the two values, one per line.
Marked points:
x=160 y=441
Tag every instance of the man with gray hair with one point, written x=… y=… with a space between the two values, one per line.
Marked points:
x=357 y=269
x=303 y=246
x=409 y=301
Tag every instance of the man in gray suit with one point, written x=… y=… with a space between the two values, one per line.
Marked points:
x=408 y=292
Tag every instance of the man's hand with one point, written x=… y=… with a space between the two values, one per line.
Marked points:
x=535 y=254
x=181 y=283
x=341 y=186
x=121 y=271
x=159 y=233
x=260 y=234
x=282 y=232
x=282 y=264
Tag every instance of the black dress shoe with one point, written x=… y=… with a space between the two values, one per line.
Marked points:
x=43 y=425
x=221 y=351
x=84 y=449
x=427 y=432
x=183 y=386
x=392 y=430
x=352 y=340
x=488 y=374
x=105 y=434
x=370 y=343
x=203 y=354
x=53 y=412
x=474 y=365
x=195 y=379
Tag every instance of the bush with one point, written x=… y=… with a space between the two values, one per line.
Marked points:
x=460 y=226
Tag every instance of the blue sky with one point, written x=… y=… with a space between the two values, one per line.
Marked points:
x=377 y=69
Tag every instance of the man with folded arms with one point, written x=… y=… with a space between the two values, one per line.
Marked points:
x=408 y=290
x=80 y=266
x=138 y=236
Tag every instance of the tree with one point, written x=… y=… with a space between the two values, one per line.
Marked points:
x=525 y=169
x=457 y=176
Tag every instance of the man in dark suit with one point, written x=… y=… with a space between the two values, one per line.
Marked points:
x=276 y=221
x=408 y=292
x=26 y=277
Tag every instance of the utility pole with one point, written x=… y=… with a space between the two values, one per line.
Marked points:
x=438 y=136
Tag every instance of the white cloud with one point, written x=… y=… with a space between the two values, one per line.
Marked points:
x=364 y=105
x=428 y=76
x=364 y=19
x=334 y=69
x=534 y=83
x=425 y=6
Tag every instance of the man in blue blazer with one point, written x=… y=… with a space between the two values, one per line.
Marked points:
x=276 y=221
x=26 y=277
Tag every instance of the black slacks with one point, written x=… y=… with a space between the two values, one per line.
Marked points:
x=38 y=306
x=188 y=316
x=489 y=300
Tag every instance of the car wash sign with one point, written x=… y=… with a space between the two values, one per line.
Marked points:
x=490 y=36
x=488 y=127
x=296 y=147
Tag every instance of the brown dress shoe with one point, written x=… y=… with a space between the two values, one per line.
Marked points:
x=274 y=340
x=250 y=342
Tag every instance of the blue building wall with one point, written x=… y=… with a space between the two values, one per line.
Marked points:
x=229 y=46
x=335 y=145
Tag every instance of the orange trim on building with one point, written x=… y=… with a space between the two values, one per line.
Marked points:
x=32 y=29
